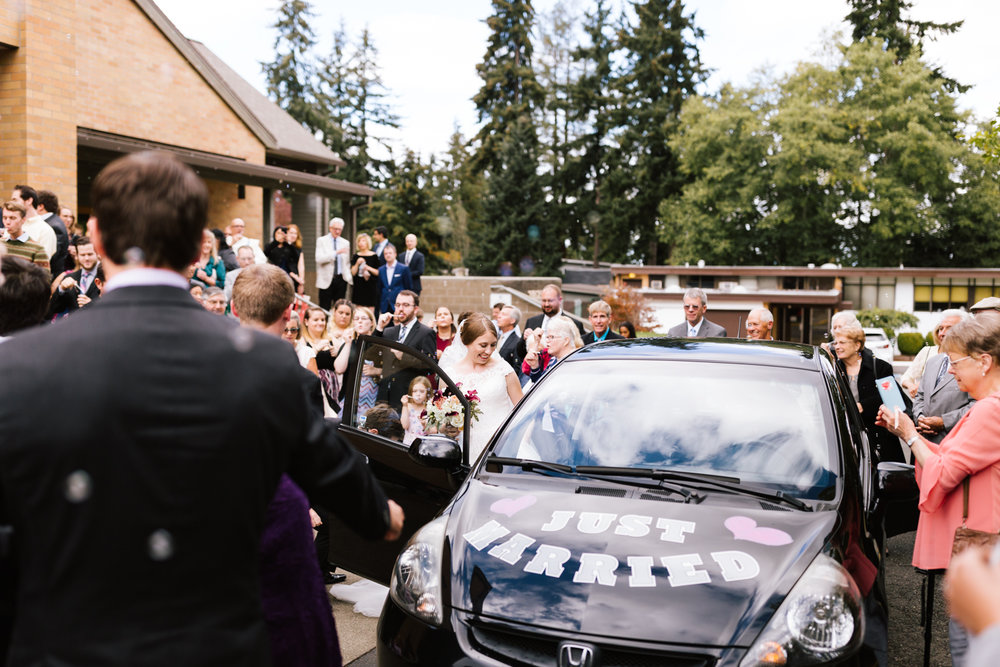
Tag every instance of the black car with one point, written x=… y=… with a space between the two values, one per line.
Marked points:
x=648 y=502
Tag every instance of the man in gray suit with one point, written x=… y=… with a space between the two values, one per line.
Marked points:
x=939 y=404
x=695 y=324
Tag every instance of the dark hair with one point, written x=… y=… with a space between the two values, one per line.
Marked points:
x=406 y=292
x=81 y=240
x=221 y=238
x=383 y=230
x=475 y=326
x=628 y=325
x=27 y=192
x=153 y=202
x=24 y=294
x=48 y=199
x=385 y=421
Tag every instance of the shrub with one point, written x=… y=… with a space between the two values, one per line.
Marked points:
x=628 y=304
x=889 y=320
x=930 y=338
x=910 y=342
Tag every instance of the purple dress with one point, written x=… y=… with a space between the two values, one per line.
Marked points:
x=296 y=607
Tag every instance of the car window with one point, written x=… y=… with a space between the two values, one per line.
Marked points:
x=771 y=426
x=387 y=375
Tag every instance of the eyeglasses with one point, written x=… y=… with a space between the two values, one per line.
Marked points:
x=690 y=307
x=291 y=330
x=954 y=362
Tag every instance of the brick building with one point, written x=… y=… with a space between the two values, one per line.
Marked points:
x=84 y=81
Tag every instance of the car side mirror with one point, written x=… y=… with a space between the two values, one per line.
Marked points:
x=436 y=451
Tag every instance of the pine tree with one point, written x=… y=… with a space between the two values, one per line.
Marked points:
x=515 y=230
x=510 y=90
x=337 y=88
x=885 y=20
x=663 y=69
x=458 y=195
x=371 y=113
x=290 y=76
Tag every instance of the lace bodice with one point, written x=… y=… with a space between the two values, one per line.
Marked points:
x=491 y=386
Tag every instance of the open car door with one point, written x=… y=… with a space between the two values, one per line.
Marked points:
x=379 y=375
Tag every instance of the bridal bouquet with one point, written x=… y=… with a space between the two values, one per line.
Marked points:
x=446 y=410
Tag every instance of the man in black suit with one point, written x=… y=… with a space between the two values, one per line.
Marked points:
x=508 y=320
x=83 y=286
x=138 y=513
x=396 y=371
x=600 y=319
x=552 y=299
x=48 y=208
x=414 y=261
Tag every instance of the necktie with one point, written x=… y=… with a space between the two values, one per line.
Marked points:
x=692 y=332
x=402 y=333
x=941 y=373
x=336 y=244
x=84 y=282
x=409 y=256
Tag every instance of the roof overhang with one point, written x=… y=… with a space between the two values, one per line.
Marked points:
x=229 y=169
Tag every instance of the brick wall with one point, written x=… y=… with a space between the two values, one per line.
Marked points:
x=10 y=22
x=102 y=64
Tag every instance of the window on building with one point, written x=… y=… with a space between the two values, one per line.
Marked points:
x=704 y=282
x=867 y=293
x=941 y=294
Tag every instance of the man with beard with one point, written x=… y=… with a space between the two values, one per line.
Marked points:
x=81 y=287
x=552 y=299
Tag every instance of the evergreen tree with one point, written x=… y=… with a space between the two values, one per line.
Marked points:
x=458 y=196
x=337 y=88
x=663 y=68
x=371 y=114
x=884 y=20
x=592 y=109
x=515 y=229
x=510 y=90
x=290 y=76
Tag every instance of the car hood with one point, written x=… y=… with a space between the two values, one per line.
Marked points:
x=706 y=574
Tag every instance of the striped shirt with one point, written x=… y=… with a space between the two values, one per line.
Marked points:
x=29 y=250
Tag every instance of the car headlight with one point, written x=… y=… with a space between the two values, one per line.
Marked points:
x=416 y=577
x=820 y=620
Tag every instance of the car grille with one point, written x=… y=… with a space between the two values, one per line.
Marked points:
x=522 y=649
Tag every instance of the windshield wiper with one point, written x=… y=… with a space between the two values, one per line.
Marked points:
x=604 y=474
x=730 y=484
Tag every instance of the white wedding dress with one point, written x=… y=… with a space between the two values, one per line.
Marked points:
x=490 y=384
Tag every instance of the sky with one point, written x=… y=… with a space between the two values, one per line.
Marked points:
x=428 y=50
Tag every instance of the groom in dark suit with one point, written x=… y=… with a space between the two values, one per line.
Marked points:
x=138 y=513
x=81 y=287
x=397 y=371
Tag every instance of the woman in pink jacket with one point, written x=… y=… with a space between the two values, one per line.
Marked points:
x=971 y=450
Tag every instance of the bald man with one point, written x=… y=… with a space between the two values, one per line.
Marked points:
x=760 y=323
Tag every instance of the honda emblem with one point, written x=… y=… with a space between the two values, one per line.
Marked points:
x=577 y=655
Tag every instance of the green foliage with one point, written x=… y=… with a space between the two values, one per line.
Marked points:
x=987 y=139
x=510 y=90
x=930 y=338
x=858 y=162
x=888 y=320
x=910 y=342
x=514 y=230
x=458 y=195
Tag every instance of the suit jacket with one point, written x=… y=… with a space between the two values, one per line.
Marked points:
x=416 y=267
x=326 y=259
x=707 y=330
x=508 y=351
x=388 y=293
x=396 y=377
x=944 y=400
x=138 y=513
x=589 y=337
x=58 y=261
x=65 y=302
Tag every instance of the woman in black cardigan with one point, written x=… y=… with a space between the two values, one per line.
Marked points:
x=862 y=368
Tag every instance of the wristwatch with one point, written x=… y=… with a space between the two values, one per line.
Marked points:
x=909 y=443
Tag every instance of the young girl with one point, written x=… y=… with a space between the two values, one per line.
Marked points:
x=413 y=405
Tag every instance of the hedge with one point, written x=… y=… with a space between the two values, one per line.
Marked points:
x=910 y=343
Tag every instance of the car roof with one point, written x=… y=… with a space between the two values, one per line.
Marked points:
x=873 y=330
x=718 y=350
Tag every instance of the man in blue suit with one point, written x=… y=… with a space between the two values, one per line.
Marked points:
x=393 y=278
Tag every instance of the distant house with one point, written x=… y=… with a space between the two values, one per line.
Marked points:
x=84 y=81
x=801 y=298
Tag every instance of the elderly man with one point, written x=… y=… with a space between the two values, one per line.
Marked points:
x=983 y=305
x=237 y=240
x=508 y=320
x=332 y=256
x=414 y=261
x=939 y=403
x=760 y=323
x=244 y=258
x=695 y=324
x=600 y=318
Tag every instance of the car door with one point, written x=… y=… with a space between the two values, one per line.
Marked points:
x=379 y=375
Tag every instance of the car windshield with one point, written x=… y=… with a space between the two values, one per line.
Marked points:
x=763 y=425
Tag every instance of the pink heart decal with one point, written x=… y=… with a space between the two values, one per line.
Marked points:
x=511 y=506
x=745 y=528
x=885 y=385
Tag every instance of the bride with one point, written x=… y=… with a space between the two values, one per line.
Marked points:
x=480 y=369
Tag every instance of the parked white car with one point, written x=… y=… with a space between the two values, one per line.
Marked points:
x=878 y=343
